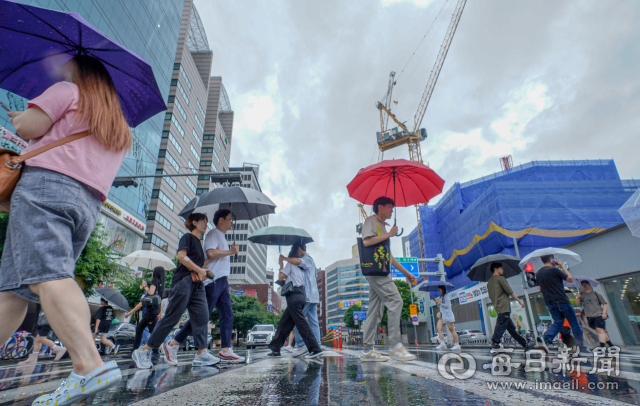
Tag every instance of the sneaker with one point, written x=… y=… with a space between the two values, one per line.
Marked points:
x=300 y=351
x=116 y=349
x=142 y=358
x=288 y=348
x=76 y=387
x=373 y=356
x=456 y=347
x=529 y=346
x=313 y=354
x=399 y=353
x=230 y=356
x=441 y=346
x=274 y=354
x=542 y=344
x=205 y=359
x=496 y=346
x=169 y=353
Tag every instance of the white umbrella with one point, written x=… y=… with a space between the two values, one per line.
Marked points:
x=630 y=212
x=567 y=257
x=149 y=260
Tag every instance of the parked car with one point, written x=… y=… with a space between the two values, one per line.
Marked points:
x=188 y=344
x=122 y=334
x=466 y=335
x=260 y=334
x=435 y=339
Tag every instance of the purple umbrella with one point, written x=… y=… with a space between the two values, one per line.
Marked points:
x=36 y=42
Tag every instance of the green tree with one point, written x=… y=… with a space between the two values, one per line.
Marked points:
x=272 y=318
x=348 y=316
x=405 y=294
x=96 y=263
x=247 y=312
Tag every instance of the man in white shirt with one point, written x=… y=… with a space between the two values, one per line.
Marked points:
x=218 y=251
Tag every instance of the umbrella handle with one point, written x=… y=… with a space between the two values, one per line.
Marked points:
x=400 y=233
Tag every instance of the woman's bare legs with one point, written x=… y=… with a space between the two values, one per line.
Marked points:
x=452 y=329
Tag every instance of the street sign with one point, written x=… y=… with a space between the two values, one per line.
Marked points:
x=410 y=264
x=269 y=308
x=413 y=310
x=359 y=315
x=238 y=292
x=414 y=320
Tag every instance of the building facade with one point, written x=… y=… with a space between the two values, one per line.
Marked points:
x=262 y=291
x=270 y=275
x=196 y=135
x=251 y=263
x=322 y=306
x=345 y=286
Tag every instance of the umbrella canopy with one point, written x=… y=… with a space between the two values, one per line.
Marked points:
x=149 y=260
x=280 y=235
x=407 y=182
x=114 y=298
x=577 y=282
x=432 y=286
x=630 y=212
x=244 y=203
x=481 y=270
x=36 y=42
x=561 y=254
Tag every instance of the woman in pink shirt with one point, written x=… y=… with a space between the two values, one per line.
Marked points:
x=54 y=209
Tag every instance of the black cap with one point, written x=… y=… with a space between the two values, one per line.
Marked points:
x=585 y=281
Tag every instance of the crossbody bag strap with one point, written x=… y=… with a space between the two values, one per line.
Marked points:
x=65 y=140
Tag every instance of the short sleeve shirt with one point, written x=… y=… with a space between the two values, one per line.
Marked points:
x=85 y=160
x=216 y=240
x=592 y=303
x=105 y=314
x=191 y=244
x=550 y=282
x=499 y=291
x=372 y=227
x=308 y=266
x=295 y=275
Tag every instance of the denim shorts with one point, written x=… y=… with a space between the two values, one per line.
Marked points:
x=51 y=219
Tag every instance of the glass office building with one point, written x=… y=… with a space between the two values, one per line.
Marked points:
x=346 y=286
x=149 y=28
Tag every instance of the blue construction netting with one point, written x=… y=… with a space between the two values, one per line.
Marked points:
x=542 y=204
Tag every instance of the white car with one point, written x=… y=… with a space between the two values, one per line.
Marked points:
x=260 y=334
x=436 y=339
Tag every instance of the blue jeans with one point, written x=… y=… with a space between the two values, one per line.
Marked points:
x=217 y=297
x=559 y=312
x=310 y=311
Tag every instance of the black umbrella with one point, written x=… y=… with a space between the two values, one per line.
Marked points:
x=113 y=297
x=244 y=203
x=481 y=270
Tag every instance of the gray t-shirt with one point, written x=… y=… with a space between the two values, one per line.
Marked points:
x=591 y=303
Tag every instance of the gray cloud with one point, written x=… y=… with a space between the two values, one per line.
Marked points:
x=537 y=80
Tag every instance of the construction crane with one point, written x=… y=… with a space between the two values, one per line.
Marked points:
x=394 y=137
x=363 y=214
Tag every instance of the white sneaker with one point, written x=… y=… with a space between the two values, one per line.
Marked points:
x=142 y=358
x=372 y=356
x=288 y=348
x=205 y=359
x=456 y=347
x=300 y=351
x=76 y=387
x=169 y=353
x=399 y=353
x=442 y=346
x=230 y=356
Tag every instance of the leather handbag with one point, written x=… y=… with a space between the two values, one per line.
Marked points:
x=11 y=169
x=375 y=260
x=151 y=300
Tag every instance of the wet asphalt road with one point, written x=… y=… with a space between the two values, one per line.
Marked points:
x=338 y=379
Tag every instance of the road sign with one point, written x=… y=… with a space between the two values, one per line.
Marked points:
x=414 y=320
x=413 y=310
x=269 y=308
x=410 y=264
x=359 y=315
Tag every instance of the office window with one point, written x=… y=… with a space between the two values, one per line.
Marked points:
x=226 y=161
x=180 y=109
x=192 y=168
x=185 y=199
x=171 y=99
x=201 y=109
x=174 y=142
x=175 y=122
x=185 y=77
x=195 y=153
x=169 y=181
x=183 y=93
x=180 y=234
x=191 y=186
x=217 y=143
x=159 y=218
x=202 y=190
x=207 y=150
x=199 y=123
x=196 y=137
x=205 y=163
x=209 y=137
x=215 y=154
x=157 y=241
x=172 y=161
x=165 y=199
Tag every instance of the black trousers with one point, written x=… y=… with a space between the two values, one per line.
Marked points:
x=148 y=320
x=504 y=323
x=293 y=317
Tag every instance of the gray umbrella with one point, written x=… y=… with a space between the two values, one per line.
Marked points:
x=432 y=286
x=244 y=203
x=280 y=235
x=114 y=298
x=481 y=270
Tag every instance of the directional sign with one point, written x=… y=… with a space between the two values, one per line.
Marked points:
x=359 y=316
x=410 y=264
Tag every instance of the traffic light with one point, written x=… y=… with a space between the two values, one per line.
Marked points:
x=531 y=276
x=529 y=268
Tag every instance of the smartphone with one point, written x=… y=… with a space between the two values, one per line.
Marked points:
x=4 y=106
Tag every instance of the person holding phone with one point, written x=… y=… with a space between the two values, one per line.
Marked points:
x=550 y=278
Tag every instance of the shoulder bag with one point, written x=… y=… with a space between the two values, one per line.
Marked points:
x=151 y=300
x=12 y=167
x=375 y=260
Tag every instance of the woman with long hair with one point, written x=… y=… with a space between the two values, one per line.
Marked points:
x=150 y=317
x=54 y=209
x=187 y=293
x=444 y=304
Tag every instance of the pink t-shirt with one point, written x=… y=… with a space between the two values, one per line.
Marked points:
x=85 y=160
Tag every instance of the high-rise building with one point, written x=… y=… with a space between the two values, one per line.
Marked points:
x=196 y=137
x=270 y=275
x=322 y=306
x=150 y=29
x=345 y=286
x=251 y=262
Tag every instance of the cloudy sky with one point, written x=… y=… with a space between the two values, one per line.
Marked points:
x=536 y=80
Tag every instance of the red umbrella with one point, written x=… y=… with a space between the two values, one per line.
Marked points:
x=407 y=182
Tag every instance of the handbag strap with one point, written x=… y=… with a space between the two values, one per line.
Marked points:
x=65 y=140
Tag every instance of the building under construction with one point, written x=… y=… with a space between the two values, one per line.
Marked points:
x=541 y=204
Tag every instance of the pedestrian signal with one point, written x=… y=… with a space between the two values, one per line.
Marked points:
x=529 y=268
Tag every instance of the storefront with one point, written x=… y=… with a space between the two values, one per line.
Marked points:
x=125 y=233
